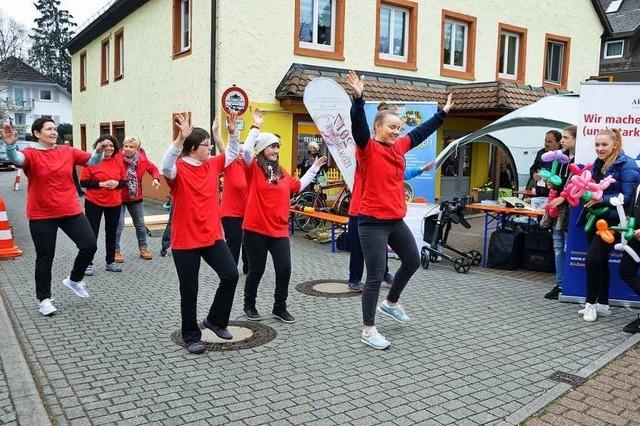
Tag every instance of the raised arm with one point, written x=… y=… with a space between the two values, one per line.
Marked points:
x=422 y=132
x=170 y=157
x=312 y=172
x=359 y=126
x=10 y=136
x=233 y=147
x=249 y=144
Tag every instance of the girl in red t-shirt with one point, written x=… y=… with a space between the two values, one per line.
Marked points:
x=52 y=203
x=382 y=205
x=196 y=231
x=103 y=183
x=266 y=219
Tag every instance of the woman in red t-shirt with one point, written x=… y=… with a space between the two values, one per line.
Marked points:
x=266 y=219
x=103 y=183
x=235 y=190
x=196 y=231
x=52 y=203
x=383 y=206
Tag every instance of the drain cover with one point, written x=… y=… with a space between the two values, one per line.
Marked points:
x=246 y=334
x=326 y=288
x=571 y=379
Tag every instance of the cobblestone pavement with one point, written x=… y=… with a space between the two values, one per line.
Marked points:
x=609 y=397
x=7 y=411
x=481 y=346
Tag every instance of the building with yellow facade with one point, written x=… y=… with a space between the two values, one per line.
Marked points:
x=142 y=61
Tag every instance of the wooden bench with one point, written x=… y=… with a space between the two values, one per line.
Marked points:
x=333 y=219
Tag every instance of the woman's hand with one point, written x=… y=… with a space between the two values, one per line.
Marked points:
x=357 y=84
x=320 y=161
x=428 y=166
x=155 y=184
x=258 y=119
x=215 y=126
x=100 y=146
x=592 y=203
x=232 y=121
x=556 y=202
x=449 y=103
x=636 y=234
x=9 y=134
x=183 y=125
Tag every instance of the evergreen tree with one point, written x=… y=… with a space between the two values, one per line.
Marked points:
x=50 y=34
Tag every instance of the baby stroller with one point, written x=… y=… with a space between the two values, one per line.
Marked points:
x=436 y=229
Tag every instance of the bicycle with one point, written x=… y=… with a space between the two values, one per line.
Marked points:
x=317 y=199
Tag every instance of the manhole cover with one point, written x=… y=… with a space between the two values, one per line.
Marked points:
x=326 y=288
x=246 y=334
x=571 y=379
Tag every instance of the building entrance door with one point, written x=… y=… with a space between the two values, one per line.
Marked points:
x=455 y=173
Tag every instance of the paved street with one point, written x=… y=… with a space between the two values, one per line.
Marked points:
x=480 y=348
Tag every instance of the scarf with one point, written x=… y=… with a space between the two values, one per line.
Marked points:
x=131 y=164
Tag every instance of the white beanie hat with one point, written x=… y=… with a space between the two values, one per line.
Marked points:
x=313 y=144
x=264 y=140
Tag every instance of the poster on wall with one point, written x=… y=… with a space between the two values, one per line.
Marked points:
x=422 y=188
x=602 y=105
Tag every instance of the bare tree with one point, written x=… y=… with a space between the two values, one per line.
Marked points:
x=13 y=38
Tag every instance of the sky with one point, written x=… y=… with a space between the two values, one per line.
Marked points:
x=25 y=12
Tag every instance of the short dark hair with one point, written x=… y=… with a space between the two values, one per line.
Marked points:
x=38 y=124
x=197 y=136
x=114 y=141
x=556 y=134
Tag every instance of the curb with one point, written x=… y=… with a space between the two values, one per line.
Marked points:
x=30 y=409
x=558 y=390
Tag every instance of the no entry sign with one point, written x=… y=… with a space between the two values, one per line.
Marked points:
x=235 y=99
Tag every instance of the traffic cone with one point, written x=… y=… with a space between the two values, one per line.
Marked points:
x=7 y=248
x=16 y=182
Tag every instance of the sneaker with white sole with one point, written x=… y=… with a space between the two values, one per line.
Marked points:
x=590 y=312
x=374 y=339
x=89 y=271
x=76 y=287
x=601 y=310
x=395 y=312
x=46 y=308
x=112 y=267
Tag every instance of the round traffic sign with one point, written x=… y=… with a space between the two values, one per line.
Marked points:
x=235 y=99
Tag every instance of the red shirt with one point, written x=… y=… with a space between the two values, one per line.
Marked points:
x=235 y=189
x=383 y=171
x=267 y=210
x=109 y=169
x=195 y=205
x=51 y=192
x=144 y=165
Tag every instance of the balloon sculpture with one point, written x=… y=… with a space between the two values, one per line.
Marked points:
x=607 y=234
x=552 y=175
x=577 y=185
x=593 y=213
x=626 y=228
x=552 y=211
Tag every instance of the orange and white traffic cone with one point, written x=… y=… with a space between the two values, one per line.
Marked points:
x=16 y=182
x=8 y=249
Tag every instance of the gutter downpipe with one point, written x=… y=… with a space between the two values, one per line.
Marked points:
x=212 y=73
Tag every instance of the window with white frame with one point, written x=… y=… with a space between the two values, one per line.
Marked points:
x=45 y=95
x=18 y=96
x=509 y=51
x=554 y=62
x=317 y=24
x=185 y=25
x=455 y=44
x=614 y=49
x=20 y=119
x=394 y=33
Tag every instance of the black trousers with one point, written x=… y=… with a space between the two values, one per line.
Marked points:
x=597 y=269
x=233 y=235
x=356 y=257
x=166 y=235
x=629 y=268
x=374 y=238
x=94 y=213
x=44 y=233
x=187 y=264
x=258 y=245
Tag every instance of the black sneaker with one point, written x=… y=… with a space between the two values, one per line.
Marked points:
x=221 y=332
x=196 y=348
x=252 y=314
x=553 y=293
x=283 y=316
x=633 y=327
x=163 y=252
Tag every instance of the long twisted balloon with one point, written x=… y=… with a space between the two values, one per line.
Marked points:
x=626 y=227
x=552 y=175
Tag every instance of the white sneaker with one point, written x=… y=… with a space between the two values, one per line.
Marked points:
x=374 y=339
x=46 y=308
x=601 y=310
x=77 y=288
x=590 y=313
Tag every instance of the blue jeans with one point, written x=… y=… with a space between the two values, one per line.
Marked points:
x=136 y=210
x=559 y=248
